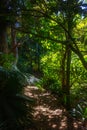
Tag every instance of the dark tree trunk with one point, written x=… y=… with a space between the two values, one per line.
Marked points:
x=3 y=38
x=66 y=68
x=14 y=45
x=68 y=102
x=63 y=67
x=66 y=61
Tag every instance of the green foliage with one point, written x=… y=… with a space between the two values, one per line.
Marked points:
x=80 y=111
x=78 y=73
x=51 y=84
x=50 y=68
x=6 y=60
x=15 y=107
x=29 y=55
x=54 y=24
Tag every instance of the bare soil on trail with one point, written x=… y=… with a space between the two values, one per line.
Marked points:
x=49 y=114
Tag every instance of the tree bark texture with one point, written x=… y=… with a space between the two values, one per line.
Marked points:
x=3 y=38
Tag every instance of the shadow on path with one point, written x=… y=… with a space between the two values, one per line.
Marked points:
x=48 y=112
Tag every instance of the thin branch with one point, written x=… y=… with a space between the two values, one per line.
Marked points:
x=41 y=36
x=75 y=50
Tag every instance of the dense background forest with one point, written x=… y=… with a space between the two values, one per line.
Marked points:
x=47 y=39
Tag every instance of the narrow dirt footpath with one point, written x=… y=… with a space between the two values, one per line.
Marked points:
x=48 y=112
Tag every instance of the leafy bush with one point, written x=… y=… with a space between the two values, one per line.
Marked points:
x=80 y=111
x=51 y=72
x=6 y=60
x=15 y=107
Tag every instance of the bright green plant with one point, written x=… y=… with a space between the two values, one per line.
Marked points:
x=51 y=68
x=6 y=60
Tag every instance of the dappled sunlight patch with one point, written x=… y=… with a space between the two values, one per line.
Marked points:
x=48 y=113
x=54 y=126
x=29 y=91
x=63 y=123
x=45 y=94
x=75 y=125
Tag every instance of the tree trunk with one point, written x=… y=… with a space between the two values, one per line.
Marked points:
x=14 y=45
x=63 y=74
x=66 y=61
x=66 y=70
x=68 y=102
x=3 y=38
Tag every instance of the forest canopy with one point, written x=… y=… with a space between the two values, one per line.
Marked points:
x=47 y=38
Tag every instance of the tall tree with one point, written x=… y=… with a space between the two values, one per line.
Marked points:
x=9 y=16
x=64 y=13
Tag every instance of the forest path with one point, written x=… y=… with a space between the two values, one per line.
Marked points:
x=48 y=112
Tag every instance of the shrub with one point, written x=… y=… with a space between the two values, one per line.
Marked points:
x=15 y=107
